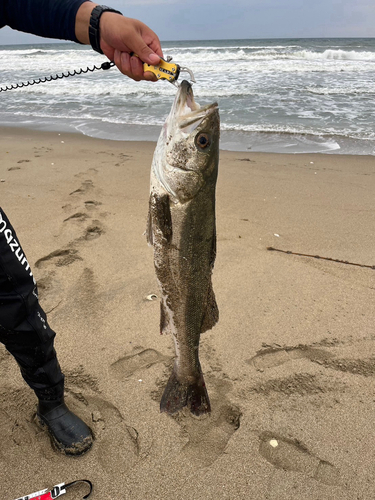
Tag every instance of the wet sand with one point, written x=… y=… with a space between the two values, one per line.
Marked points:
x=289 y=368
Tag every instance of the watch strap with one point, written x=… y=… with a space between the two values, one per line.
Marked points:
x=94 y=27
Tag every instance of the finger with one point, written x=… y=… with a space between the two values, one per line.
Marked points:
x=126 y=66
x=122 y=61
x=136 y=67
x=117 y=58
x=156 y=47
x=149 y=76
x=145 y=53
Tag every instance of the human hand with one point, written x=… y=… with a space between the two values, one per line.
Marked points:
x=122 y=36
x=119 y=37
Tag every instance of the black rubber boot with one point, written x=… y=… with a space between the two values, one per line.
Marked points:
x=68 y=432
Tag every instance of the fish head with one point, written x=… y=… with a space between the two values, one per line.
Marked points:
x=187 y=154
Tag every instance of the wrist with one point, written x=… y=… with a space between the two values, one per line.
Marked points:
x=83 y=22
x=94 y=28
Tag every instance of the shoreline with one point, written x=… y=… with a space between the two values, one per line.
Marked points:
x=289 y=367
x=32 y=132
x=231 y=140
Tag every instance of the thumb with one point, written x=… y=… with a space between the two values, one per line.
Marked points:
x=146 y=54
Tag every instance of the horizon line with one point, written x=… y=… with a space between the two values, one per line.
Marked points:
x=52 y=41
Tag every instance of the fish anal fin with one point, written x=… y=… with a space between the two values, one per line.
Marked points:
x=177 y=395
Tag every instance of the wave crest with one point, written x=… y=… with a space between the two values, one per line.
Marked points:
x=338 y=55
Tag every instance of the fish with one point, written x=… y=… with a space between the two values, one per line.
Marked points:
x=182 y=230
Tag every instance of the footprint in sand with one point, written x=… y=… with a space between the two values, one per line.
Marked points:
x=94 y=230
x=297 y=384
x=66 y=256
x=290 y=455
x=62 y=257
x=86 y=186
x=41 y=150
x=87 y=172
x=117 y=444
x=270 y=357
x=122 y=159
x=92 y=204
x=124 y=367
x=79 y=216
x=209 y=435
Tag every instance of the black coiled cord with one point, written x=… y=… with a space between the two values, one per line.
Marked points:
x=105 y=66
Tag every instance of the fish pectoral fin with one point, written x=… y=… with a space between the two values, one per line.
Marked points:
x=159 y=218
x=177 y=395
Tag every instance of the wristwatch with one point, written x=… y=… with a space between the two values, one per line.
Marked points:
x=94 y=31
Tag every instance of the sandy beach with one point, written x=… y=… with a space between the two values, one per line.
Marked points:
x=289 y=368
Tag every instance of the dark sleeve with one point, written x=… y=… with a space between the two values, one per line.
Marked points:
x=46 y=18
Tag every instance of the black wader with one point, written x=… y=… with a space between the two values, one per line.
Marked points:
x=24 y=329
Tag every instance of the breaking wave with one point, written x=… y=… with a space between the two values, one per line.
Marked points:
x=337 y=55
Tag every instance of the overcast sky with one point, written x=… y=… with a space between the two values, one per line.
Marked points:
x=223 y=19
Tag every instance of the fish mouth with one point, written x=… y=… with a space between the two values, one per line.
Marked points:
x=190 y=114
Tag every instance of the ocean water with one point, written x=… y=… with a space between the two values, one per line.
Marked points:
x=287 y=95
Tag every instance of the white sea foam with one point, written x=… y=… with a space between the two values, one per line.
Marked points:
x=340 y=55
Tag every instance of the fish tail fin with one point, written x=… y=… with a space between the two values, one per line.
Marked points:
x=177 y=395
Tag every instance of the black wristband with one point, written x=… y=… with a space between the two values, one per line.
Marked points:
x=94 y=31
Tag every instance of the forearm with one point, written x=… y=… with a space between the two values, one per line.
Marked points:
x=46 y=18
x=120 y=36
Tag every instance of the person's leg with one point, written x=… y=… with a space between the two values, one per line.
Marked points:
x=26 y=334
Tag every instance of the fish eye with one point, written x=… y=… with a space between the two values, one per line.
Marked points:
x=202 y=140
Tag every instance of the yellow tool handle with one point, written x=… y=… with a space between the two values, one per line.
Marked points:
x=164 y=70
